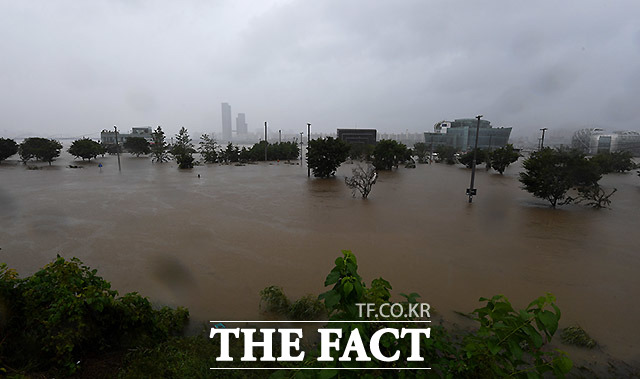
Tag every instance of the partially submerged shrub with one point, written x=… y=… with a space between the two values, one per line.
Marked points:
x=306 y=308
x=575 y=335
x=273 y=299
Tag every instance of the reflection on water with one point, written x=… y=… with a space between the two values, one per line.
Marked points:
x=212 y=243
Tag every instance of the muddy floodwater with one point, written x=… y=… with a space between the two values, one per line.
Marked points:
x=212 y=243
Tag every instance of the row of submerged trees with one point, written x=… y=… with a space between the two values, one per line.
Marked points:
x=559 y=176
x=183 y=150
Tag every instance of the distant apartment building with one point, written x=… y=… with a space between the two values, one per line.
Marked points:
x=358 y=136
x=108 y=137
x=461 y=134
x=226 y=122
x=241 y=124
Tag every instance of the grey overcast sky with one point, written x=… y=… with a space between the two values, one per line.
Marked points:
x=72 y=68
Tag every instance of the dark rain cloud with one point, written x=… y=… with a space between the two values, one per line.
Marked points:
x=73 y=68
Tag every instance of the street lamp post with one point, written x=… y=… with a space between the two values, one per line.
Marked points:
x=301 y=133
x=308 y=139
x=117 y=148
x=542 y=140
x=472 y=191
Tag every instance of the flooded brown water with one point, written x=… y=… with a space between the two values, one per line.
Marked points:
x=212 y=243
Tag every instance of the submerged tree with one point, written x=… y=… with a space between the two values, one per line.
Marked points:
x=325 y=155
x=362 y=180
x=422 y=151
x=389 y=153
x=467 y=158
x=85 y=149
x=208 y=149
x=549 y=174
x=503 y=157
x=361 y=151
x=620 y=161
x=137 y=146
x=183 y=149
x=446 y=154
x=159 y=146
x=8 y=147
x=46 y=150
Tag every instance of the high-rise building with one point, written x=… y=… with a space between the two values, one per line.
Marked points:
x=241 y=124
x=226 y=122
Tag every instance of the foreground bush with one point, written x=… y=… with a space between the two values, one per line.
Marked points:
x=63 y=312
x=507 y=343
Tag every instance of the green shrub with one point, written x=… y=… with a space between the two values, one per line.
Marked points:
x=65 y=311
x=273 y=299
x=575 y=335
x=306 y=308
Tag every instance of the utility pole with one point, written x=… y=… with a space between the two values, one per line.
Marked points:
x=472 y=191
x=431 y=157
x=280 y=136
x=308 y=139
x=301 y=148
x=542 y=140
x=266 y=144
x=115 y=128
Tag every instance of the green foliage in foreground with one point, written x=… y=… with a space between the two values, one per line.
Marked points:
x=507 y=342
x=65 y=311
x=308 y=307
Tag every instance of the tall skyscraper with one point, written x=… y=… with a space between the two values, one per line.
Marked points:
x=226 y=122
x=241 y=124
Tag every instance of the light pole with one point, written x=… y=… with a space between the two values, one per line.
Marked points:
x=266 y=144
x=301 y=133
x=542 y=140
x=308 y=139
x=472 y=191
x=117 y=148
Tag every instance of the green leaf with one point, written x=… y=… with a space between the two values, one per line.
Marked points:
x=533 y=333
x=331 y=299
x=549 y=320
x=494 y=348
x=332 y=278
x=562 y=364
x=347 y=288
